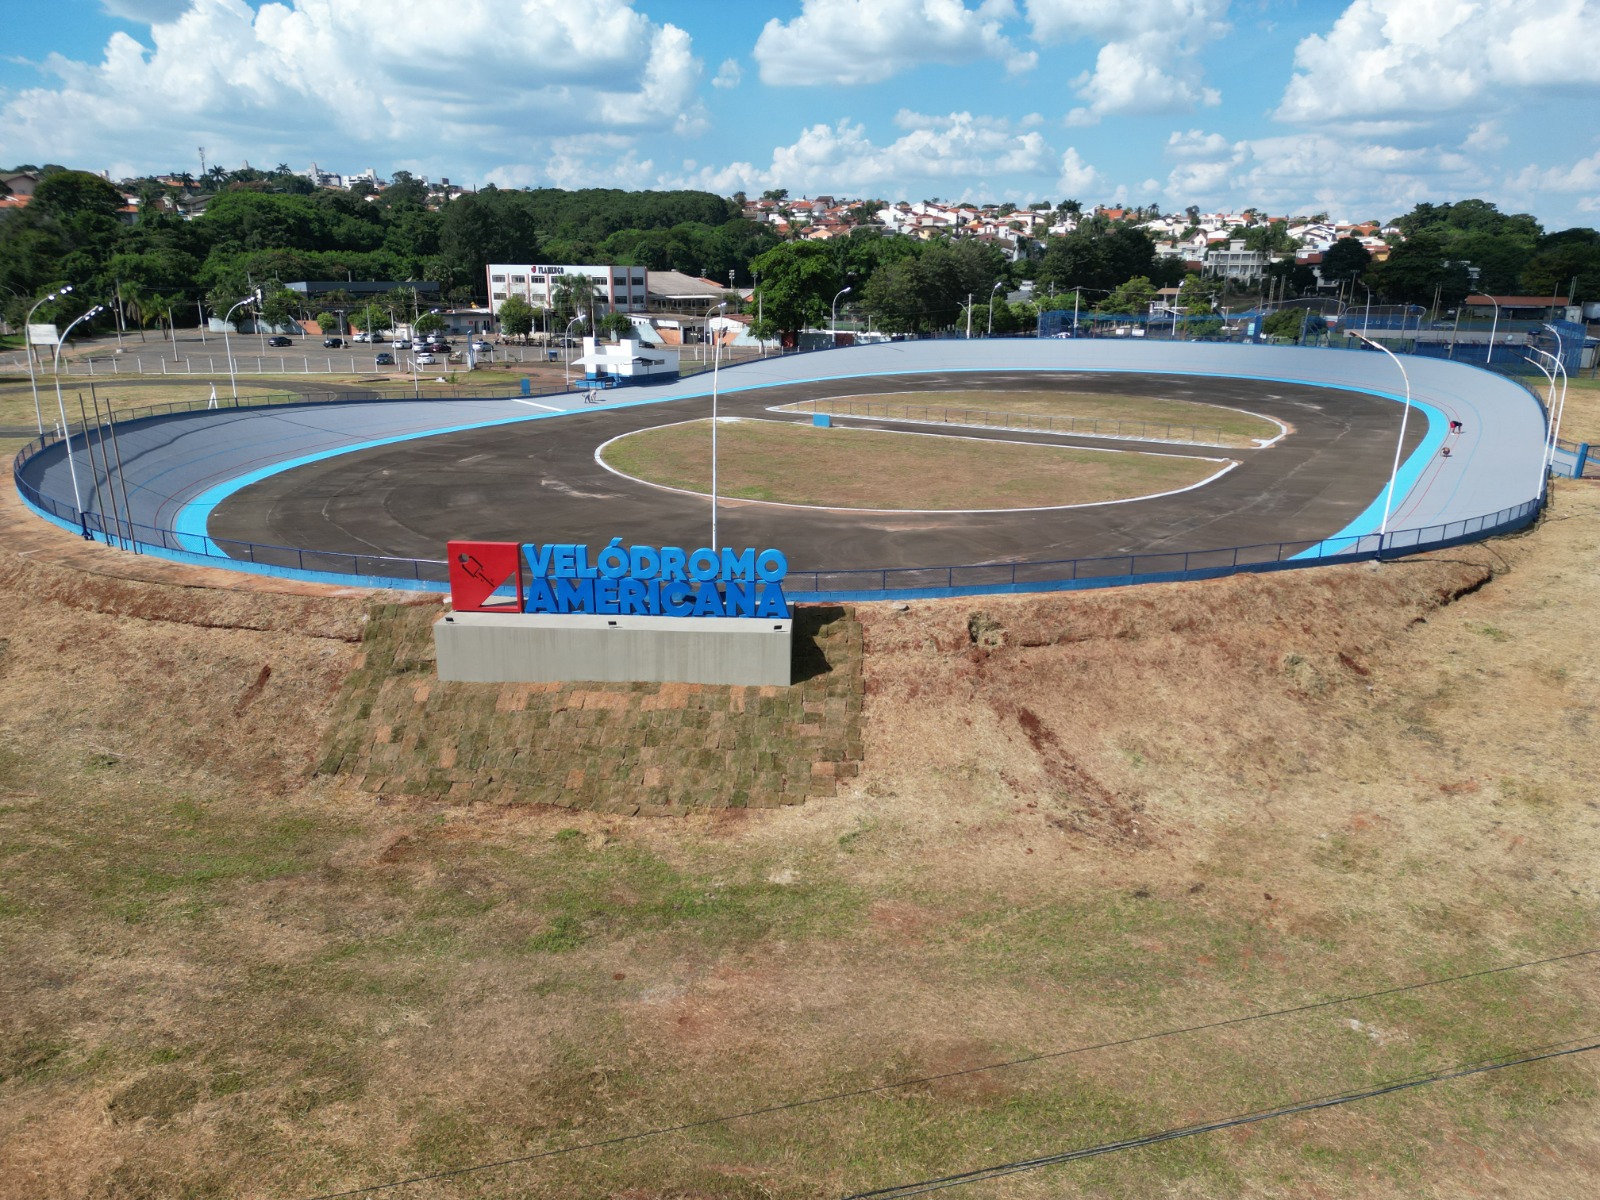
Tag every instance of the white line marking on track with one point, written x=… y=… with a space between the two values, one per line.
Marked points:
x=531 y=404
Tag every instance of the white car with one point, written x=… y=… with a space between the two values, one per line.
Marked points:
x=423 y=359
x=482 y=347
x=362 y=337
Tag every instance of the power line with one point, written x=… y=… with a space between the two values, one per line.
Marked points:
x=999 y=1170
x=854 y=1093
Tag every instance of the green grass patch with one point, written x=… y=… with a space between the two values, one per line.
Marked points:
x=792 y=463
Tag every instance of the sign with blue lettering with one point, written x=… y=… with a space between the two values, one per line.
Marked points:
x=650 y=581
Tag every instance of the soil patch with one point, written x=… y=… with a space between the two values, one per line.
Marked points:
x=652 y=748
x=1087 y=414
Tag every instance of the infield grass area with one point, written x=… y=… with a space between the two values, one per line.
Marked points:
x=1088 y=413
x=789 y=463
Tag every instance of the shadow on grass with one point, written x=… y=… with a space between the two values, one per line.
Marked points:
x=811 y=622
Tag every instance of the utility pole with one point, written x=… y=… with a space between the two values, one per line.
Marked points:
x=202 y=166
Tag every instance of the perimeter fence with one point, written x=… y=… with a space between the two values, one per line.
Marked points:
x=1506 y=347
x=893 y=583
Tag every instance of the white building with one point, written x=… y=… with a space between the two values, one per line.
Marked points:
x=1235 y=263
x=627 y=358
x=616 y=289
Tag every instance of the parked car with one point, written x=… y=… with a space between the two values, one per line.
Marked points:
x=482 y=347
x=384 y=359
x=423 y=359
x=333 y=343
x=363 y=337
x=279 y=341
x=400 y=343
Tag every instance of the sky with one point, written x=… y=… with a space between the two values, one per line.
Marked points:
x=1357 y=108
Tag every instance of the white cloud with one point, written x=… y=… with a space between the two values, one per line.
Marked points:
x=1077 y=176
x=728 y=74
x=1581 y=176
x=1149 y=58
x=1402 y=57
x=1301 y=173
x=594 y=160
x=293 y=80
x=1195 y=144
x=959 y=150
x=847 y=42
x=1485 y=137
x=146 y=12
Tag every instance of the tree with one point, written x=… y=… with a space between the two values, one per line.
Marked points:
x=573 y=296
x=1133 y=296
x=1293 y=324
x=516 y=317
x=1420 y=268
x=615 y=325
x=327 y=323
x=429 y=322
x=133 y=300
x=371 y=318
x=405 y=189
x=1569 y=259
x=1345 y=260
x=279 y=304
x=798 y=282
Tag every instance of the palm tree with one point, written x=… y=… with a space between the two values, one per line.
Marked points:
x=134 y=302
x=574 y=295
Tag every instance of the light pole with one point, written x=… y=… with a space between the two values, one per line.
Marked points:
x=1366 y=314
x=833 y=319
x=761 y=310
x=1494 y=326
x=1561 y=364
x=233 y=383
x=1388 y=498
x=998 y=284
x=566 y=366
x=716 y=361
x=61 y=405
x=1550 y=376
x=33 y=382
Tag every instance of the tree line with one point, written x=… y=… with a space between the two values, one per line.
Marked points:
x=265 y=229
x=273 y=229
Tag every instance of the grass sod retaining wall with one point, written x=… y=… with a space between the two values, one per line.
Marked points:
x=643 y=748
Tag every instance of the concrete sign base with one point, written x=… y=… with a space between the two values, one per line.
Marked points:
x=479 y=647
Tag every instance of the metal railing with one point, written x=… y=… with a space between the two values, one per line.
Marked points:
x=1160 y=566
x=886 y=583
x=390 y=395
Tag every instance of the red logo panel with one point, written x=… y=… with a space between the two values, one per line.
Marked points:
x=478 y=570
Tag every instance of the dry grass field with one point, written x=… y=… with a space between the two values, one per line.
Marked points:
x=1078 y=819
x=1079 y=412
x=791 y=463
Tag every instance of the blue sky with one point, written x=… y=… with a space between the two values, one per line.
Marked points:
x=1360 y=108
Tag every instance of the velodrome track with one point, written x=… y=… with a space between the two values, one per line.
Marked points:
x=398 y=479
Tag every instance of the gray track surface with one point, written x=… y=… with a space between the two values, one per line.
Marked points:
x=513 y=478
